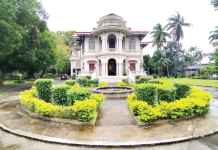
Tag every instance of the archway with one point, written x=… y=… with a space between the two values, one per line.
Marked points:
x=112 y=67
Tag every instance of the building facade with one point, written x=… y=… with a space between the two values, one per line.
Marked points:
x=111 y=49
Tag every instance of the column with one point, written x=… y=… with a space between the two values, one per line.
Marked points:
x=106 y=50
x=102 y=69
x=120 y=69
x=103 y=45
x=117 y=74
x=120 y=46
x=117 y=46
x=106 y=69
x=97 y=69
x=71 y=68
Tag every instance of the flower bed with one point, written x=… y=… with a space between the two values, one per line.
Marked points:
x=83 y=110
x=148 y=109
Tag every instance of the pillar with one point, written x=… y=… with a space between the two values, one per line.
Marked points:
x=71 y=68
x=106 y=50
x=117 y=46
x=120 y=46
x=102 y=69
x=106 y=69
x=103 y=45
x=120 y=69
x=117 y=73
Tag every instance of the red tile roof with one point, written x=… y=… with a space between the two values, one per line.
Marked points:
x=91 y=61
x=132 y=61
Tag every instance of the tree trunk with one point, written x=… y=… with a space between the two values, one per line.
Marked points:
x=168 y=74
x=4 y=72
x=31 y=75
x=42 y=73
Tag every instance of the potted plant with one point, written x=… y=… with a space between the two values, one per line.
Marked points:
x=124 y=72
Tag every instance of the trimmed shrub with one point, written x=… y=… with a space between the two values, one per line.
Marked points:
x=155 y=76
x=83 y=81
x=103 y=84
x=182 y=89
x=85 y=110
x=49 y=75
x=88 y=77
x=125 y=80
x=70 y=82
x=60 y=94
x=146 y=92
x=44 y=89
x=121 y=84
x=137 y=77
x=95 y=82
x=166 y=93
x=154 y=81
x=79 y=94
x=19 y=81
x=143 y=80
x=72 y=77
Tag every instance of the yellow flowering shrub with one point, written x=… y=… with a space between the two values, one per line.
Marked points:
x=103 y=84
x=82 y=111
x=195 y=103
x=122 y=84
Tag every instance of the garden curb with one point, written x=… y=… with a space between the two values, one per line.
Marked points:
x=162 y=121
x=60 y=120
x=49 y=139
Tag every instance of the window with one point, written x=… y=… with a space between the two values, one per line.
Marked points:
x=132 y=43
x=91 y=44
x=111 y=43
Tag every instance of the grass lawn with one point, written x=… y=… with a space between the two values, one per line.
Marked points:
x=202 y=82
x=12 y=82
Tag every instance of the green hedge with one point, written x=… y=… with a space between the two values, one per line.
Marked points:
x=137 y=77
x=146 y=92
x=44 y=89
x=155 y=76
x=72 y=77
x=143 y=80
x=166 y=93
x=154 y=82
x=60 y=94
x=84 y=82
x=182 y=89
x=19 y=81
x=125 y=80
x=79 y=94
x=70 y=82
x=88 y=77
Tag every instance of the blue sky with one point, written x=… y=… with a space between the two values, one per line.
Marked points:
x=141 y=15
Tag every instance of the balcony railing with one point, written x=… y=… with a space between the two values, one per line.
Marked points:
x=139 y=72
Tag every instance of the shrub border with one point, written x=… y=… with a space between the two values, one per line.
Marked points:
x=162 y=121
x=74 y=122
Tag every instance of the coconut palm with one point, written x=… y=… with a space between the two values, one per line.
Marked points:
x=175 y=24
x=159 y=36
x=214 y=36
x=160 y=61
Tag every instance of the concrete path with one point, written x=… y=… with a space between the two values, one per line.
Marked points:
x=110 y=125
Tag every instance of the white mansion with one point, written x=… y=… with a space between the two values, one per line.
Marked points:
x=111 y=49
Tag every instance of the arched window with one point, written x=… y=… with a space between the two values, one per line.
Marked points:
x=91 y=44
x=111 y=43
x=132 y=43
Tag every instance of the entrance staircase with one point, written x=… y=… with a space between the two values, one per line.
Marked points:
x=112 y=80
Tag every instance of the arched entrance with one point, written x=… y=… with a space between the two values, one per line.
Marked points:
x=112 y=67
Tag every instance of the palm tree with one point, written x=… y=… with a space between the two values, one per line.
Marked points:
x=214 y=36
x=159 y=36
x=160 y=61
x=175 y=24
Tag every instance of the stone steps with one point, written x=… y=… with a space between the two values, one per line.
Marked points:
x=111 y=79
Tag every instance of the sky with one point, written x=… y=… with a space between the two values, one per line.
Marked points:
x=141 y=15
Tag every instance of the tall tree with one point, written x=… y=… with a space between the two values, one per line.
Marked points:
x=160 y=61
x=27 y=20
x=214 y=36
x=175 y=24
x=159 y=36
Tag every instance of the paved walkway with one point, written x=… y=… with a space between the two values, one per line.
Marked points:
x=114 y=123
